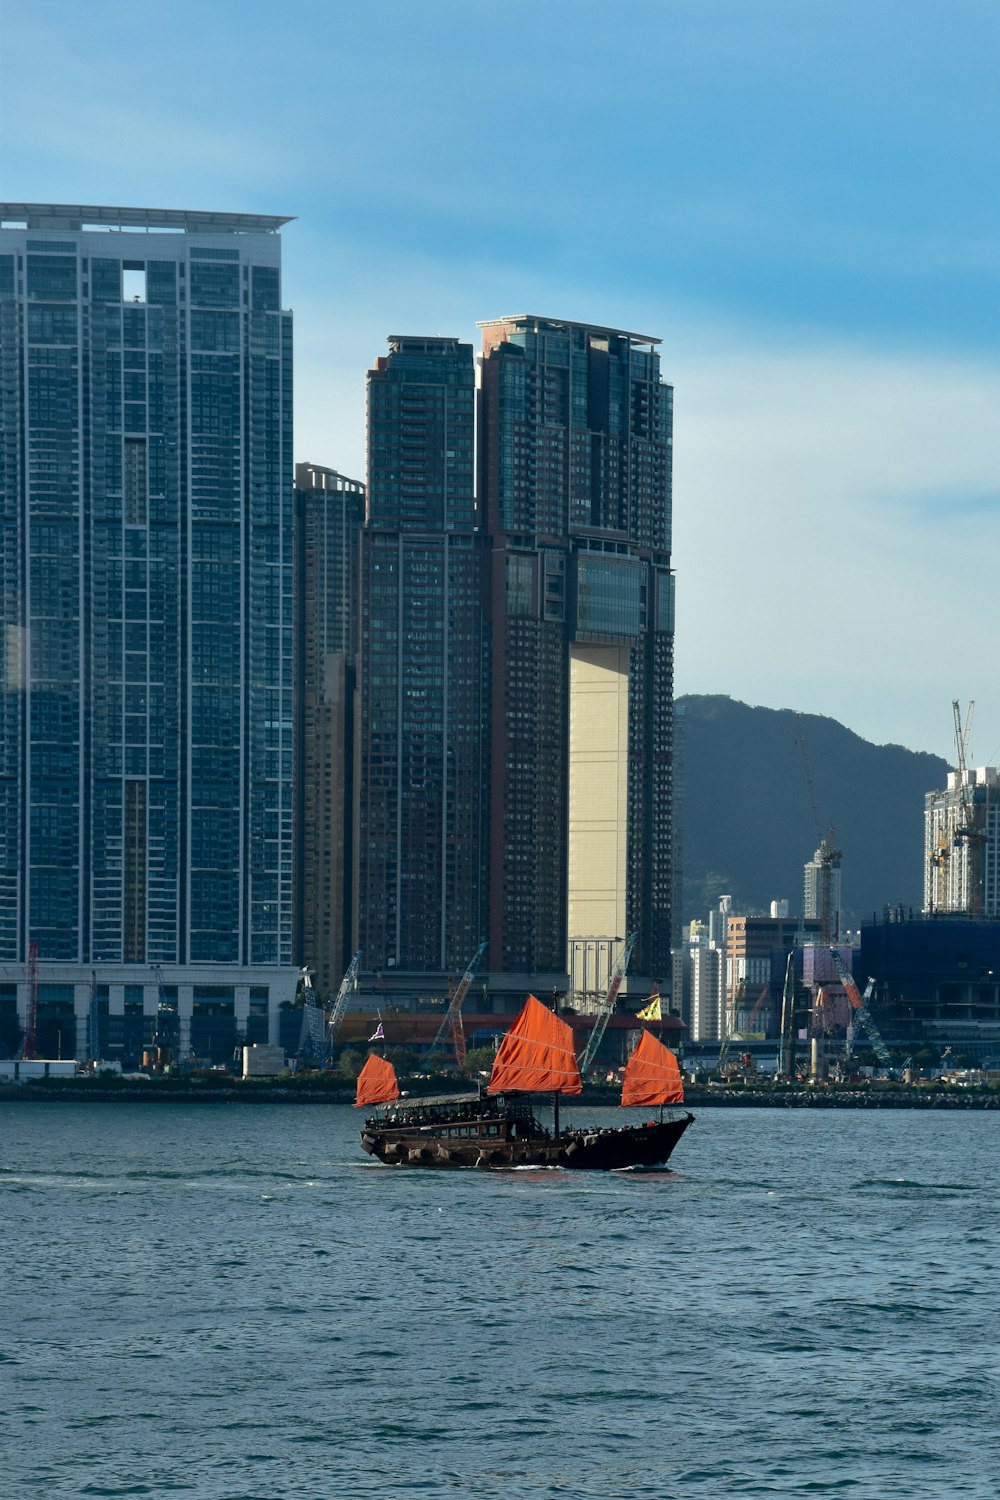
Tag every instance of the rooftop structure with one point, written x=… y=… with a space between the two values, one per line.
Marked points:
x=532 y=320
x=77 y=217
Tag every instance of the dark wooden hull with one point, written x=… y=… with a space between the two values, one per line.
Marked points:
x=647 y=1145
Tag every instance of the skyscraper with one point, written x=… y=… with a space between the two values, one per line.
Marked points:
x=574 y=484
x=329 y=515
x=146 y=782
x=423 y=673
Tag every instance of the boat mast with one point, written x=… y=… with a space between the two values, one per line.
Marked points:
x=555 y=1096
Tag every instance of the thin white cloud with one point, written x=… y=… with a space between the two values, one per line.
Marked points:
x=812 y=571
x=112 y=109
x=834 y=540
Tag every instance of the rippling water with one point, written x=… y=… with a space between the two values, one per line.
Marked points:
x=234 y=1303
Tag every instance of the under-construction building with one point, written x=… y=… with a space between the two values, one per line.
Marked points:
x=962 y=844
x=821 y=889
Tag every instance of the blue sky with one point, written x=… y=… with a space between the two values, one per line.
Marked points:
x=800 y=197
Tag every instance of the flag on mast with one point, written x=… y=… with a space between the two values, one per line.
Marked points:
x=378 y=1035
x=653 y=1011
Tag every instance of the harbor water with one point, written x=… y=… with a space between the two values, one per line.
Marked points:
x=232 y=1302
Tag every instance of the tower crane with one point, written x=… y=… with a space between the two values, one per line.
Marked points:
x=967 y=827
x=828 y=856
x=607 y=1005
x=452 y=1019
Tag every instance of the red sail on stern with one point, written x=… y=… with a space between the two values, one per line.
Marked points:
x=536 y=1056
x=652 y=1074
x=377 y=1083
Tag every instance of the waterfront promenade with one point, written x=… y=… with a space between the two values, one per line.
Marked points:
x=321 y=1088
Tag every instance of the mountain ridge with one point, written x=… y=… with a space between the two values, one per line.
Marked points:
x=759 y=787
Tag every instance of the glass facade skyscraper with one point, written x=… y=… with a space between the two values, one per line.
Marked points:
x=423 y=675
x=145 y=542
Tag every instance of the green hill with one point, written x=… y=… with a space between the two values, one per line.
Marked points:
x=758 y=786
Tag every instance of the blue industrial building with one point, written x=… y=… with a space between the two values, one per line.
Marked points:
x=936 y=978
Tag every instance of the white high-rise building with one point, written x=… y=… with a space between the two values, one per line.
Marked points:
x=962 y=844
x=708 y=964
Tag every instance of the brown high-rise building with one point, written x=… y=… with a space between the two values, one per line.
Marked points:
x=574 y=491
x=329 y=514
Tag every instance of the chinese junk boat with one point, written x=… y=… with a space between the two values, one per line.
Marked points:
x=500 y=1130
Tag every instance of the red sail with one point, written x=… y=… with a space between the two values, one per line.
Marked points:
x=377 y=1083
x=536 y=1056
x=652 y=1075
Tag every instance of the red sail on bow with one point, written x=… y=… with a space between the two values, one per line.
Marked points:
x=536 y=1056
x=377 y=1083
x=652 y=1074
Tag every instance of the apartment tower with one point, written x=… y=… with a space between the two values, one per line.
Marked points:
x=329 y=515
x=423 y=772
x=575 y=491
x=145 y=543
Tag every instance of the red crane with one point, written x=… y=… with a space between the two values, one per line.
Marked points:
x=453 y=1015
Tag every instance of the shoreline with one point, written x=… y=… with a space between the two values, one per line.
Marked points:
x=170 y=1091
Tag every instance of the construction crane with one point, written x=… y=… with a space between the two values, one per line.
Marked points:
x=732 y=1034
x=607 y=1005
x=859 y=1004
x=167 y=1034
x=312 y=1039
x=338 y=1009
x=786 y=1058
x=93 y=1021
x=27 y=1047
x=828 y=856
x=452 y=1019
x=967 y=827
x=320 y=1025
x=939 y=880
x=729 y=1031
x=962 y=735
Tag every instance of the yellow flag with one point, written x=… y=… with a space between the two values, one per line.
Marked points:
x=652 y=1011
